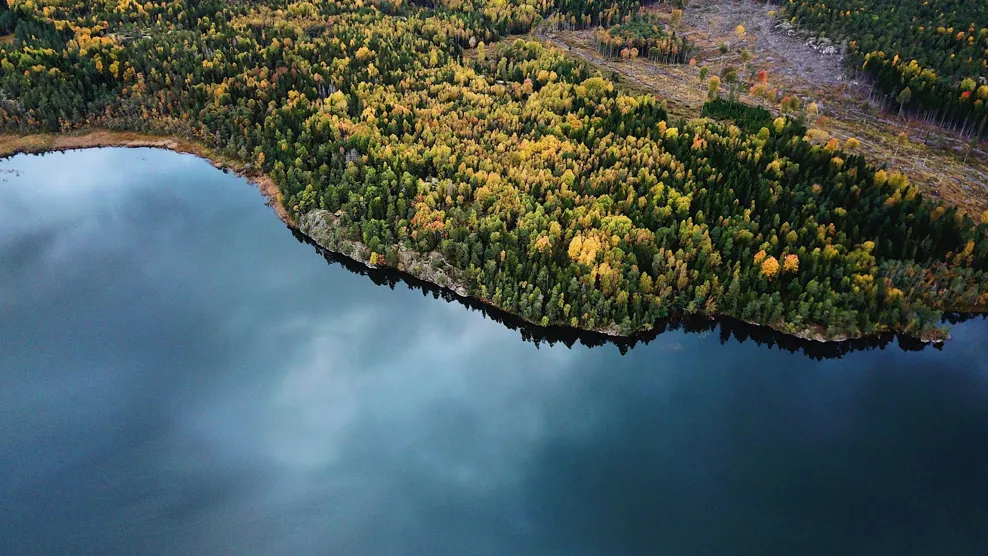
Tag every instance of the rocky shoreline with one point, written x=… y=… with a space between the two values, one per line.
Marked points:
x=322 y=227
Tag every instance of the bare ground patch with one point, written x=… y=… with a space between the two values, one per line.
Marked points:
x=944 y=164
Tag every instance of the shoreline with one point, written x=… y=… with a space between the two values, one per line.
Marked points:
x=12 y=144
x=427 y=267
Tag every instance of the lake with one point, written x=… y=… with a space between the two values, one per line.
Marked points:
x=181 y=375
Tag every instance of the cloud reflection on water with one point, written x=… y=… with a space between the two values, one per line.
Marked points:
x=179 y=376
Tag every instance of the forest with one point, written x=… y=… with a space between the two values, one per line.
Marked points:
x=927 y=57
x=555 y=194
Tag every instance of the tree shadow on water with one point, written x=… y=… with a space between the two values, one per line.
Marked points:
x=729 y=329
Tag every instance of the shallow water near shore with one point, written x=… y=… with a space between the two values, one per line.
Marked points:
x=179 y=374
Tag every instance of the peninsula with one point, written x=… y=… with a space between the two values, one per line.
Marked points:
x=588 y=163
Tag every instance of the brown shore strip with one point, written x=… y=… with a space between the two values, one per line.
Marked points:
x=418 y=265
x=47 y=142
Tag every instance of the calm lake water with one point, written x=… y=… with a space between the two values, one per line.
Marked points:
x=180 y=375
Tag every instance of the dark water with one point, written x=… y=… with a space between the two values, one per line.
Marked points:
x=179 y=375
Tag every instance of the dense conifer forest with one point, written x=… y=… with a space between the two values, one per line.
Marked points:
x=424 y=127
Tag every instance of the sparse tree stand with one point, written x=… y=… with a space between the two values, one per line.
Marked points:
x=676 y=18
x=730 y=76
x=938 y=55
x=972 y=145
x=745 y=58
x=644 y=36
x=901 y=139
x=903 y=99
x=713 y=87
